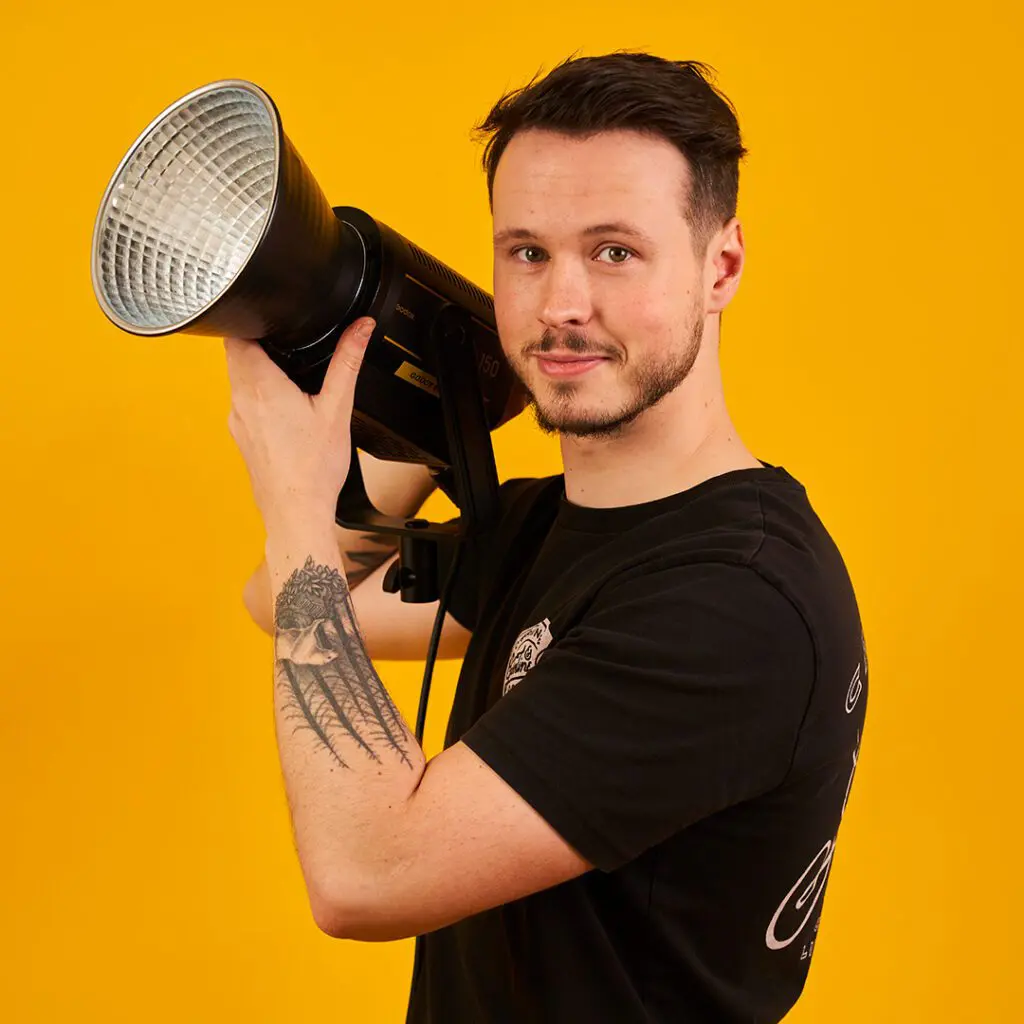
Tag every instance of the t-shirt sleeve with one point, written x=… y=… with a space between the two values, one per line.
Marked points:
x=679 y=694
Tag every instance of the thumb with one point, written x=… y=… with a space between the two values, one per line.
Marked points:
x=340 y=380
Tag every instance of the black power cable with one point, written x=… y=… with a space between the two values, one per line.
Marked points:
x=421 y=713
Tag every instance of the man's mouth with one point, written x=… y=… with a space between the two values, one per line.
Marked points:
x=564 y=364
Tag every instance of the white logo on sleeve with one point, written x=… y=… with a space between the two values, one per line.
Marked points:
x=526 y=652
x=854 y=692
x=795 y=910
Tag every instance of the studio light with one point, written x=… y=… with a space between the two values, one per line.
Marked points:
x=212 y=224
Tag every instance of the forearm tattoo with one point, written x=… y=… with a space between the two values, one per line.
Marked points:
x=324 y=674
x=366 y=562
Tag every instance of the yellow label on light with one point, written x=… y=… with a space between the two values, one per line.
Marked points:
x=422 y=379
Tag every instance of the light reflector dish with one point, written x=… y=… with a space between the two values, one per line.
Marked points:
x=187 y=207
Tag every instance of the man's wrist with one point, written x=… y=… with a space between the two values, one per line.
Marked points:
x=292 y=541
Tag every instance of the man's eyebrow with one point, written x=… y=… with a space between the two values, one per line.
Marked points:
x=616 y=227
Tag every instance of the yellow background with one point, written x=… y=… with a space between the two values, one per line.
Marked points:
x=874 y=350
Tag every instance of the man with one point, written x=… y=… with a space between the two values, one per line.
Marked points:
x=664 y=683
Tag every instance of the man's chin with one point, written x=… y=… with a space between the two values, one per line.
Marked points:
x=578 y=422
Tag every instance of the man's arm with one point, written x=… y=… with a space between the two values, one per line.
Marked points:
x=352 y=767
x=371 y=818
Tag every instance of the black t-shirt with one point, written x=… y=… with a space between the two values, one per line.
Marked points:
x=678 y=688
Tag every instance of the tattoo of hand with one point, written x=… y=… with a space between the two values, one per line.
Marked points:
x=324 y=674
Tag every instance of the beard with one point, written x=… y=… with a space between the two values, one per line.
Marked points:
x=648 y=382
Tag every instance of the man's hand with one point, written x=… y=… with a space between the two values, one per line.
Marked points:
x=297 y=447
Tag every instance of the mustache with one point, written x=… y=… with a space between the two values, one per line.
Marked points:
x=572 y=341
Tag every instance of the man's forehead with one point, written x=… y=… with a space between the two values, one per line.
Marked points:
x=611 y=178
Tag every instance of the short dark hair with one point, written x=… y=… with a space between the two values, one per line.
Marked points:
x=632 y=90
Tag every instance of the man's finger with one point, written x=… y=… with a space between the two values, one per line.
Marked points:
x=340 y=379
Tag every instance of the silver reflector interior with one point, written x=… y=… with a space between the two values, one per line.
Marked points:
x=186 y=208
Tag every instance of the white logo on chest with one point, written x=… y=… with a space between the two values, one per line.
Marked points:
x=526 y=652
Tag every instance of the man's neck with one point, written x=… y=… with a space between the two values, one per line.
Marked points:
x=686 y=438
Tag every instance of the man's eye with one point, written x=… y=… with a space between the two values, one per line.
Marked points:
x=616 y=254
x=529 y=254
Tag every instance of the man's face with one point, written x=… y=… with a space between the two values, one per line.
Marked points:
x=598 y=292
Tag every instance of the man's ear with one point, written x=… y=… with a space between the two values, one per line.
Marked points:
x=723 y=266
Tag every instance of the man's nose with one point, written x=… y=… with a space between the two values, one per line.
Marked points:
x=566 y=296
